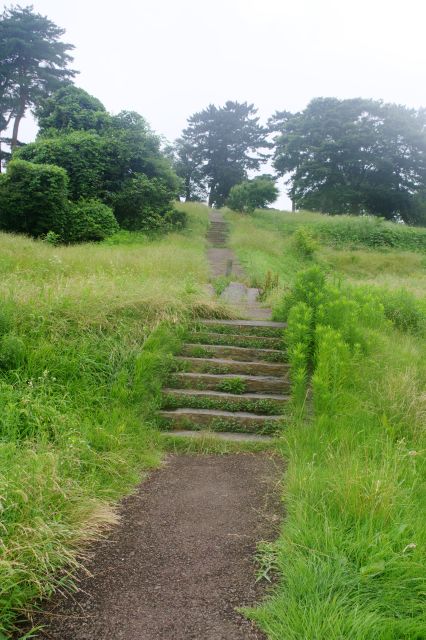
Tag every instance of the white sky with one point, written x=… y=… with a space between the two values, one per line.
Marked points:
x=167 y=59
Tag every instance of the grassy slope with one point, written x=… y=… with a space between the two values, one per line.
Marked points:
x=265 y=244
x=86 y=336
x=352 y=550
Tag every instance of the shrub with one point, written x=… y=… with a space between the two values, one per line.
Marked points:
x=332 y=368
x=309 y=288
x=33 y=198
x=299 y=339
x=145 y=204
x=90 y=221
x=405 y=311
x=252 y=194
x=84 y=156
x=304 y=242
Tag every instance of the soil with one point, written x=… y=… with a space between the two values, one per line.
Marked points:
x=182 y=558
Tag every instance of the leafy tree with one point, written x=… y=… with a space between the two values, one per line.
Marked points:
x=353 y=156
x=84 y=156
x=33 y=62
x=33 y=199
x=218 y=147
x=71 y=109
x=252 y=194
x=98 y=163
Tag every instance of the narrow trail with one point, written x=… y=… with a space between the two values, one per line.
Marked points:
x=181 y=561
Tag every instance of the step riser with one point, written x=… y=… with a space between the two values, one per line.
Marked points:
x=248 y=368
x=227 y=339
x=181 y=380
x=261 y=406
x=241 y=329
x=234 y=425
x=233 y=353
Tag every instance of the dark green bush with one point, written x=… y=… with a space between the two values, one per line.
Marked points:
x=33 y=198
x=145 y=204
x=90 y=221
x=84 y=156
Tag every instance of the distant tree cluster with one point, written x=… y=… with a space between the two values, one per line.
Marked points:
x=354 y=156
x=88 y=172
x=338 y=156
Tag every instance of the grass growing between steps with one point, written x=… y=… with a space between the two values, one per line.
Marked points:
x=86 y=338
x=352 y=551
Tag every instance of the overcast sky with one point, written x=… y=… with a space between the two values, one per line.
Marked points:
x=169 y=58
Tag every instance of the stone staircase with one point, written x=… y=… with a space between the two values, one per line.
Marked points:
x=230 y=380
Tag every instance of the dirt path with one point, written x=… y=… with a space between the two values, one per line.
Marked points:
x=182 y=558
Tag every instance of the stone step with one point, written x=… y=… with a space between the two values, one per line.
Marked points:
x=218 y=420
x=229 y=382
x=238 y=340
x=261 y=403
x=222 y=365
x=263 y=328
x=233 y=353
x=203 y=434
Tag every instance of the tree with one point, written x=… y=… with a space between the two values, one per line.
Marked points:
x=218 y=147
x=33 y=62
x=353 y=156
x=252 y=194
x=71 y=109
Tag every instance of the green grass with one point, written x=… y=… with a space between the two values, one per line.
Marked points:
x=87 y=335
x=352 y=549
x=264 y=243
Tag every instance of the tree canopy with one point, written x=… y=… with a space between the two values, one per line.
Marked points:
x=252 y=194
x=217 y=149
x=353 y=156
x=33 y=63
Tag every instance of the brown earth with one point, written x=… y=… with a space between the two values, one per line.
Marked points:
x=181 y=559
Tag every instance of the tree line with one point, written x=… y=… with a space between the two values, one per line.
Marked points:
x=90 y=172
x=353 y=156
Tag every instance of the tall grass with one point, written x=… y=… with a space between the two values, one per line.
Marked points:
x=352 y=550
x=86 y=336
x=266 y=242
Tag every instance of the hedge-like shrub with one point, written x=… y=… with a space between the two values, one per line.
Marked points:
x=90 y=221
x=144 y=204
x=33 y=198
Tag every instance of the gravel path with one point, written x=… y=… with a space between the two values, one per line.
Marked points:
x=181 y=560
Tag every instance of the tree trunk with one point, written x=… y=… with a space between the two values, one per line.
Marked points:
x=18 y=118
x=293 y=205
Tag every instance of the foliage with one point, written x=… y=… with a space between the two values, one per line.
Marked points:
x=84 y=156
x=33 y=199
x=233 y=385
x=90 y=220
x=218 y=147
x=33 y=63
x=299 y=346
x=71 y=109
x=304 y=242
x=353 y=156
x=355 y=482
x=116 y=159
x=144 y=204
x=249 y=195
